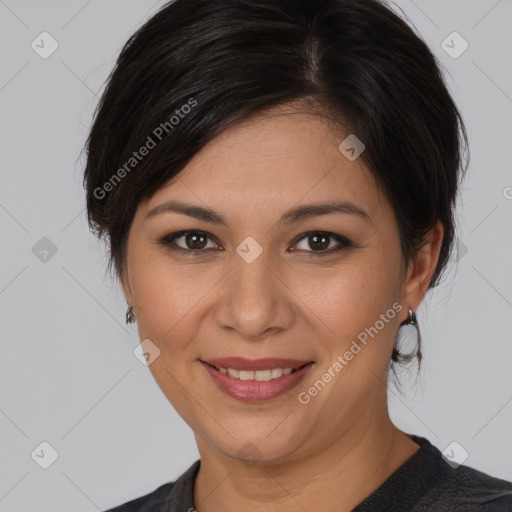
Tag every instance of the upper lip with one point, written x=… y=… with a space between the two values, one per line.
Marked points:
x=240 y=363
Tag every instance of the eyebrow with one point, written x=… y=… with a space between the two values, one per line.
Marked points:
x=294 y=215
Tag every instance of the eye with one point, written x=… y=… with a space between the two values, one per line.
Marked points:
x=320 y=242
x=196 y=242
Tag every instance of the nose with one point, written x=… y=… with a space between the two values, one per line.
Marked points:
x=254 y=300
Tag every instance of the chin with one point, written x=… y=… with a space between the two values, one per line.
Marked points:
x=259 y=449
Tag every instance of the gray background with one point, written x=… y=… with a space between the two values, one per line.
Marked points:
x=68 y=373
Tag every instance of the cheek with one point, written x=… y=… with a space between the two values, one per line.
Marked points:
x=173 y=298
x=365 y=282
x=353 y=299
x=166 y=295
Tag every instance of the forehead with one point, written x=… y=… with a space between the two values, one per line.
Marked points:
x=271 y=162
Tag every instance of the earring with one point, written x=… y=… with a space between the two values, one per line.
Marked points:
x=130 y=317
x=411 y=320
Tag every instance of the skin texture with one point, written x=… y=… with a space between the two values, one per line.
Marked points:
x=331 y=453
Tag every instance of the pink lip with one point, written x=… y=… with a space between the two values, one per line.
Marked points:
x=257 y=391
x=240 y=363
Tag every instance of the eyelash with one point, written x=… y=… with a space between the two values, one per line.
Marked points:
x=168 y=241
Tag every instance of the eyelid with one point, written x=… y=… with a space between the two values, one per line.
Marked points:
x=169 y=239
x=343 y=241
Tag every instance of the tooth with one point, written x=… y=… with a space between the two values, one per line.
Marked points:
x=233 y=373
x=263 y=375
x=259 y=375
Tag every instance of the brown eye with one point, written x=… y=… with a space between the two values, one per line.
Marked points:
x=317 y=243
x=193 y=242
x=320 y=242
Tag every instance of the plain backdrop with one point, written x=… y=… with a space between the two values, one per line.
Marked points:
x=69 y=376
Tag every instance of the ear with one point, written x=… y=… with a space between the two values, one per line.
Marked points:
x=125 y=285
x=421 y=268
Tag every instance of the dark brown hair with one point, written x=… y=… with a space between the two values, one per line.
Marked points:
x=196 y=67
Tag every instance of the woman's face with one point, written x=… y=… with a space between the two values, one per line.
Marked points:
x=260 y=287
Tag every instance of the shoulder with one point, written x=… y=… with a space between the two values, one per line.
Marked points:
x=150 y=502
x=169 y=496
x=464 y=489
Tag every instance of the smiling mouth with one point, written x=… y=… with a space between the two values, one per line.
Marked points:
x=256 y=380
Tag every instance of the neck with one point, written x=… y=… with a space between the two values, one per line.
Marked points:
x=334 y=477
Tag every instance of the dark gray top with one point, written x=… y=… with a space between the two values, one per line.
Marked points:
x=423 y=482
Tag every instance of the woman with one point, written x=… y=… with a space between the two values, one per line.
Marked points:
x=277 y=182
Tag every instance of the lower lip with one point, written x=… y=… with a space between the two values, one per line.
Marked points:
x=256 y=390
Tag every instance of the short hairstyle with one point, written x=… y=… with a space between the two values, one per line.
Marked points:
x=197 y=67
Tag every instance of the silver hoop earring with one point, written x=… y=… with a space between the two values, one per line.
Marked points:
x=130 y=317
x=411 y=320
